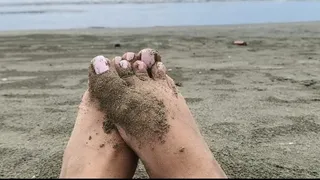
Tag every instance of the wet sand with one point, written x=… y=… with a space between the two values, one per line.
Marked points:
x=258 y=106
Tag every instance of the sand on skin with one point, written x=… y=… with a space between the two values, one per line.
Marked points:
x=257 y=105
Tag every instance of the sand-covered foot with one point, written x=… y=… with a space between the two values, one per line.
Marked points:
x=151 y=116
x=91 y=153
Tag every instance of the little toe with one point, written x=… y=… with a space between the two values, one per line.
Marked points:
x=159 y=71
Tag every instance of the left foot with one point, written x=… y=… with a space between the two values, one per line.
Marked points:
x=91 y=153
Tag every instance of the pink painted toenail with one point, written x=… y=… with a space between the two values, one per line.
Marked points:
x=100 y=64
x=148 y=57
x=161 y=66
x=141 y=65
x=124 y=64
x=118 y=58
x=129 y=56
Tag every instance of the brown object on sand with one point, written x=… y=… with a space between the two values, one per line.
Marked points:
x=178 y=84
x=240 y=43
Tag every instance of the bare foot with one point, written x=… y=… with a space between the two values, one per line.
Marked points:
x=151 y=116
x=91 y=153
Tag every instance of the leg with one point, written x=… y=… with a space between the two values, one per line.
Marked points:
x=151 y=116
x=91 y=153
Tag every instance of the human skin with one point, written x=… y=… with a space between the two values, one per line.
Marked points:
x=133 y=83
x=91 y=153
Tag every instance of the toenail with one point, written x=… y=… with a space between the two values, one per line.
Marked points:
x=124 y=64
x=117 y=58
x=140 y=66
x=100 y=64
x=161 y=66
x=129 y=56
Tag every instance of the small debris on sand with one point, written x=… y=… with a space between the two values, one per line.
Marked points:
x=178 y=84
x=308 y=83
x=240 y=43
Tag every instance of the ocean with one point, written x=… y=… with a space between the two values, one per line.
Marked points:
x=53 y=14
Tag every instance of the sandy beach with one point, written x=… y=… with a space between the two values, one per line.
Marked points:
x=258 y=106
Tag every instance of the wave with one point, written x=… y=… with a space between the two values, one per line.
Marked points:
x=87 y=2
x=39 y=12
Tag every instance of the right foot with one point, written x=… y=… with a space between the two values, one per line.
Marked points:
x=142 y=101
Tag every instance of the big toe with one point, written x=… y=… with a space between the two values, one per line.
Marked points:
x=152 y=59
x=100 y=65
x=104 y=79
x=149 y=56
x=149 y=61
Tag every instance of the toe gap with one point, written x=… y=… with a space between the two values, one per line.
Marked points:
x=150 y=73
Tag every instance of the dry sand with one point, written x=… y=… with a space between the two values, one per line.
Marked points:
x=258 y=106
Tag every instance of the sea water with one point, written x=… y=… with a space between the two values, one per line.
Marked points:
x=53 y=14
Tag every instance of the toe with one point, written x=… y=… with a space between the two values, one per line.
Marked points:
x=140 y=69
x=149 y=57
x=102 y=76
x=130 y=57
x=100 y=64
x=159 y=71
x=123 y=67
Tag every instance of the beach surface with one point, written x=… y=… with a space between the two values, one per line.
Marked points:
x=258 y=106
